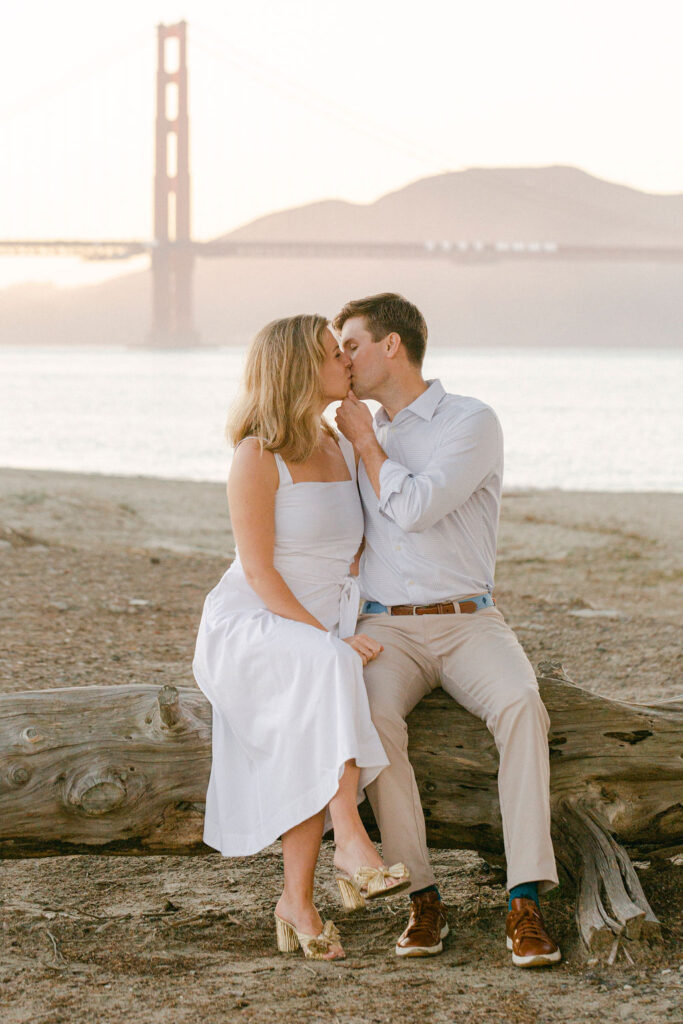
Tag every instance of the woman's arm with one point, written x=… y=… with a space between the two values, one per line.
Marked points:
x=252 y=484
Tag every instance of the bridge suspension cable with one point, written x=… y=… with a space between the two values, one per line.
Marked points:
x=304 y=94
x=92 y=69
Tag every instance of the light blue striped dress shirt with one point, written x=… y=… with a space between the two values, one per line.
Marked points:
x=432 y=533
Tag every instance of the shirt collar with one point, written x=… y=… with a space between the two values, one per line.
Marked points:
x=423 y=406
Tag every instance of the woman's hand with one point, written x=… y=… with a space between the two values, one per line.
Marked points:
x=365 y=646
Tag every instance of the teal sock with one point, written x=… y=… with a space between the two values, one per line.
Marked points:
x=427 y=888
x=529 y=890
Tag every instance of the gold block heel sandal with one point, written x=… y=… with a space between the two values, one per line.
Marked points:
x=371 y=884
x=315 y=947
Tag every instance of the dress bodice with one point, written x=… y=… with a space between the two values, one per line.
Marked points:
x=318 y=525
x=318 y=530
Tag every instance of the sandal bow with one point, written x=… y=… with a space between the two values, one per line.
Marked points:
x=373 y=880
x=320 y=945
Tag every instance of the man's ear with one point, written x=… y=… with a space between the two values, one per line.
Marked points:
x=392 y=344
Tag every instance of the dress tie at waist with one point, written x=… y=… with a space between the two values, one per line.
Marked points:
x=349 y=601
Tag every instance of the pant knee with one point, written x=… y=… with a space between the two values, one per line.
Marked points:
x=525 y=707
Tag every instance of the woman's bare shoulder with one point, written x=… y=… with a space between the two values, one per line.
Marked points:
x=251 y=462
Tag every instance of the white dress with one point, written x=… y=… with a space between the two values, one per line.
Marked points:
x=289 y=701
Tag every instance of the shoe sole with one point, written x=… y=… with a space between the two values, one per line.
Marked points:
x=352 y=900
x=423 y=950
x=541 y=960
x=391 y=890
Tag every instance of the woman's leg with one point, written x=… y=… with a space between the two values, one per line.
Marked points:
x=353 y=845
x=300 y=849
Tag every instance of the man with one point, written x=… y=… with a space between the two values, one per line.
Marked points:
x=430 y=479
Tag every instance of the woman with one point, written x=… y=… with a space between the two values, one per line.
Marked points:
x=293 y=744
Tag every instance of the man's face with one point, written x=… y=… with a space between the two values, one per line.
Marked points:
x=369 y=365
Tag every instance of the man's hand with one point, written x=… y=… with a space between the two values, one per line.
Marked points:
x=354 y=419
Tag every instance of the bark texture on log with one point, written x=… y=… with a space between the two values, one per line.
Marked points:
x=115 y=769
x=124 y=770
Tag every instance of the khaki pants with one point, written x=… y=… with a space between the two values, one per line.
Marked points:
x=478 y=660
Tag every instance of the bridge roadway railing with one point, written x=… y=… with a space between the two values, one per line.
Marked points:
x=454 y=251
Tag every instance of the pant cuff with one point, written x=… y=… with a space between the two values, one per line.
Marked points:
x=545 y=879
x=421 y=880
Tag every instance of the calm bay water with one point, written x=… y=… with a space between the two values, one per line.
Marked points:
x=577 y=419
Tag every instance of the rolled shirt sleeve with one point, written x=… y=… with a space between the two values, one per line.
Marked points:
x=462 y=462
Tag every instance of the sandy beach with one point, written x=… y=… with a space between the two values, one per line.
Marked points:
x=102 y=581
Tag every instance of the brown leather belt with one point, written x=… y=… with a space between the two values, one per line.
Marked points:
x=440 y=608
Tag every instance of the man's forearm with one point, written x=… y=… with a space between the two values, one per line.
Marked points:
x=373 y=456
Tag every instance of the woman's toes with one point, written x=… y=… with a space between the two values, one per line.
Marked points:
x=335 y=954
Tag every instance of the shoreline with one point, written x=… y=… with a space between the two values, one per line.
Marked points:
x=512 y=490
x=617 y=345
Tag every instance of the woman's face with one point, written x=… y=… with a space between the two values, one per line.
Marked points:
x=335 y=372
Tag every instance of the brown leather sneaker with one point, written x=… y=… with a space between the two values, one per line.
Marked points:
x=426 y=928
x=527 y=938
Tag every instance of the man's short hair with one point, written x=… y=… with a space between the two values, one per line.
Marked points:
x=386 y=313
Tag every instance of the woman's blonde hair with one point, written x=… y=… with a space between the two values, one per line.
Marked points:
x=281 y=388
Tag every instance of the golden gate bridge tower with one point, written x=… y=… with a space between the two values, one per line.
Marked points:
x=172 y=252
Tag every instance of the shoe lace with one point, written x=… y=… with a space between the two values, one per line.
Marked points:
x=529 y=925
x=425 y=914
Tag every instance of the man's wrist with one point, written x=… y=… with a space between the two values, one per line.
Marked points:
x=367 y=443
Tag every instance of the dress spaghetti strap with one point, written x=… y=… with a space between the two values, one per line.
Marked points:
x=349 y=456
x=249 y=437
x=285 y=475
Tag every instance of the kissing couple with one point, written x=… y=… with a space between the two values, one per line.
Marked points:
x=363 y=580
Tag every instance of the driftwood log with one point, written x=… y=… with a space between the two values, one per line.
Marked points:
x=124 y=770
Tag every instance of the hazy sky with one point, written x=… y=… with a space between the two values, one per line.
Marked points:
x=296 y=100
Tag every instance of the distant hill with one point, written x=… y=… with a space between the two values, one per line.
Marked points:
x=560 y=204
x=529 y=303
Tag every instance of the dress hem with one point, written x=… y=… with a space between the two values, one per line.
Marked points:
x=313 y=802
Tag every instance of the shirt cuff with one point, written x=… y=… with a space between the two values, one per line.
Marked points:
x=392 y=476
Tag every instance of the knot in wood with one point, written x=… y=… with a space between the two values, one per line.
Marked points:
x=98 y=793
x=19 y=774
